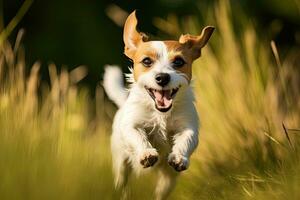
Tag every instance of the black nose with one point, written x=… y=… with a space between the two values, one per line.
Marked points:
x=162 y=79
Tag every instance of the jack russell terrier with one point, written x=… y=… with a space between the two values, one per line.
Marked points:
x=157 y=124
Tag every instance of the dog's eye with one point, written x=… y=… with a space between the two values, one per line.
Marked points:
x=147 y=62
x=178 y=62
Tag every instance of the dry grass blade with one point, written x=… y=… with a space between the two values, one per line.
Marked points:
x=287 y=135
x=271 y=138
x=293 y=130
x=78 y=74
x=64 y=81
x=281 y=77
x=14 y=22
x=55 y=90
x=251 y=180
x=19 y=40
x=31 y=89
x=247 y=192
x=275 y=53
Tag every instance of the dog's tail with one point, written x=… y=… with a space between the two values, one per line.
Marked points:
x=113 y=84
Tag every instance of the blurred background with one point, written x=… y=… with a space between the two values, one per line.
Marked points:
x=55 y=119
x=73 y=33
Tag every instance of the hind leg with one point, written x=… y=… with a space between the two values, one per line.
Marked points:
x=121 y=167
x=166 y=182
x=122 y=171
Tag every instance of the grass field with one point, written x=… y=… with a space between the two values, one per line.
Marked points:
x=54 y=138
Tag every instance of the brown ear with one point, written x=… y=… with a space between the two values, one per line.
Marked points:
x=132 y=38
x=197 y=42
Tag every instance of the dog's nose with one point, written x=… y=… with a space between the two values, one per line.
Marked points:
x=162 y=79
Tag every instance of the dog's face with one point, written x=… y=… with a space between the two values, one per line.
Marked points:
x=162 y=68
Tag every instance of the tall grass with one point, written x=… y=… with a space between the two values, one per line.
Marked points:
x=248 y=102
x=51 y=147
x=54 y=137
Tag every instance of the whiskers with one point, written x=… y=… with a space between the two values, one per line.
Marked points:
x=183 y=75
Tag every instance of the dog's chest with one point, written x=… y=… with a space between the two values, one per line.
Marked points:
x=160 y=131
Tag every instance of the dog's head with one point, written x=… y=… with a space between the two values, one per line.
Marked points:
x=162 y=68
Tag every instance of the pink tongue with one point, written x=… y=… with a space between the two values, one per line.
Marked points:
x=163 y=98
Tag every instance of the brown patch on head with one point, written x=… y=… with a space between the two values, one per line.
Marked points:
x=188 y=48
x=144 y=50
x=137 y=48
x=175 y=50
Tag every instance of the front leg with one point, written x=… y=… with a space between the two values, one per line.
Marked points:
x=143 y=151
x=185 y=143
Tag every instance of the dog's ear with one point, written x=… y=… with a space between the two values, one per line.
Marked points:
x=196 y=43
x=132 y=38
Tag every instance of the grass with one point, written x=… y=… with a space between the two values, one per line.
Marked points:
x=54 y=138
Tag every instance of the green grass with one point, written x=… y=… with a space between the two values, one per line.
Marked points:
x=54 y=138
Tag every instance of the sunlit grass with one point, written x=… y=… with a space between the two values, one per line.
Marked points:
x=244 y=98
x=51 y=146
x=54 y=137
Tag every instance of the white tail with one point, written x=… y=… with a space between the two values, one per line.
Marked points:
x=114 y=85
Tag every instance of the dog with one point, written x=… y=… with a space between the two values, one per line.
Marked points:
x=157 y=124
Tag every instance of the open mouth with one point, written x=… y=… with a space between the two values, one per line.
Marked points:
x=163 y=98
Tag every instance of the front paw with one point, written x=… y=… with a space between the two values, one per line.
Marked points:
x=149 y=158
x=178 y=162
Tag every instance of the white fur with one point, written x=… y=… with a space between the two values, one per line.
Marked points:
x=114 y=85
x=140 y=130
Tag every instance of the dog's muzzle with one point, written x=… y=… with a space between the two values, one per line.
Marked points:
x=162 y=98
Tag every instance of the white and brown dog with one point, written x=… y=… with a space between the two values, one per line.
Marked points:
x=157 y=124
